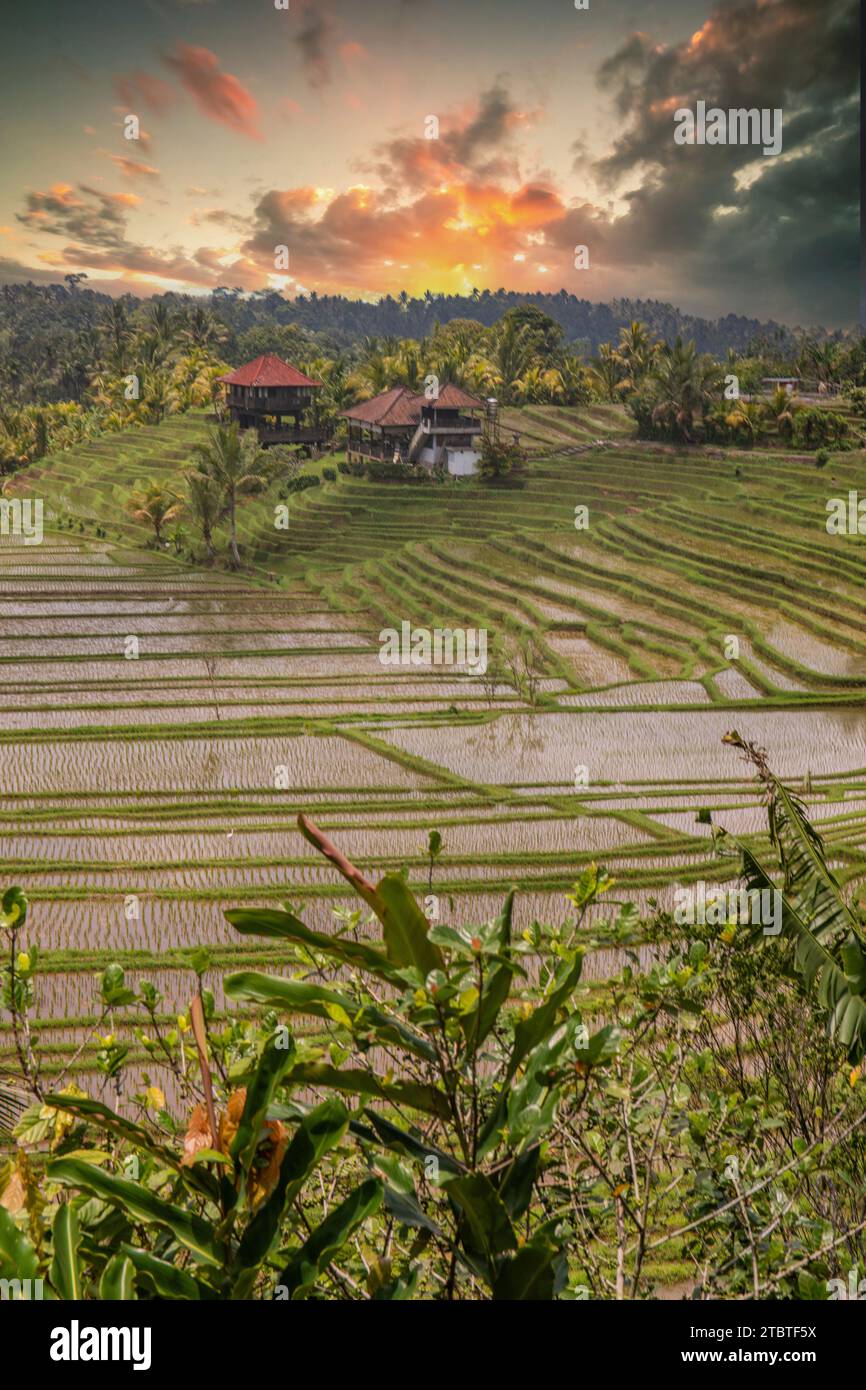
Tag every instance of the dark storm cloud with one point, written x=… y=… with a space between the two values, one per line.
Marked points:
x=479 y=146
x=93 y=225
x=315 y=45
x=490 y=127
x=85 y=214
x=792 y=226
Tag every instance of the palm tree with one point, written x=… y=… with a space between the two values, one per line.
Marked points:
x=202 y=329
x=539 y=386
x=160 y=397
x=373 y=375
x=206 y=504
x=685 y=383
x=238 y=467
x=155 y=504
x=637 y=350
x=155 y=338
x=160 y=319
x=338 y=393
x=746 y=419
x=782 y=407
x=575 y=380
x=513 y=354
x=607 y=373
x=823 y=358
x=409 y=365
x=115 y=329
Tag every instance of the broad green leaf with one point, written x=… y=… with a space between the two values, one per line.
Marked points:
x=408 y=1211
x=65 y=1272
x=601 y=1046
x=272 y=1066
x=137 y=1201
x=118 y=1280
x=328 y=1239
x=354 y=1081
x=167 y=1280
x=845 y=1007
x=17 y=1256
x=533 y=1088
x=529 y=1275
x=83 y=1108
x=516 y=1183
x=854 y=965
x=592 y=882
x=399 y=1141
x=286 y=926
x=497 y=986
x=815 y=892
x=315 y=1000
x=490 y=1232
x=405 y=927
x=531 y=1031
x=319 y=1132
x=14 y=908
x=529 y=1034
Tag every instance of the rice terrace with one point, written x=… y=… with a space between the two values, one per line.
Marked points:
x=145 y=796
x=433 y=716
x=158 y=779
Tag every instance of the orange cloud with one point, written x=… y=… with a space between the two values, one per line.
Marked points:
x=133 y=168
x=219 y=95
x=139 y=88
x=361 y=241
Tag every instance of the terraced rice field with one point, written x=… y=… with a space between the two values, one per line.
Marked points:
x=141 y=797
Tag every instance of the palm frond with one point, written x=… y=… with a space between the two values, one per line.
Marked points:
x=826 y=935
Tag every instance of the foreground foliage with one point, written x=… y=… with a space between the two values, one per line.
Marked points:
x=417 y=1110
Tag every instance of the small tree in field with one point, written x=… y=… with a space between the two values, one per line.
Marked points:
x=156 y=505
x=206 y=504
x=500 y=459
x=238 y=467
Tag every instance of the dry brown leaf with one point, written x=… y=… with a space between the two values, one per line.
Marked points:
x=198 y=1136
x=14 y=1193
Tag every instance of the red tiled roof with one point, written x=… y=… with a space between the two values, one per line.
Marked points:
x=399 y=406
x=268 y=370
x=455 y=398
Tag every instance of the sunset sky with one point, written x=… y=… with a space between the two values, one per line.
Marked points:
x=306 y=127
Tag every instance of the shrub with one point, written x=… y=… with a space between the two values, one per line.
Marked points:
x=303 y=482
x=329 y=474
x=514 y=1145
x=814 y=427
x=502 y=461
x=386 y=471
x=641 y=405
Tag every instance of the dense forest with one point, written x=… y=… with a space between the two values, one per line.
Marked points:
x=75 y=364
x=49 y=334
